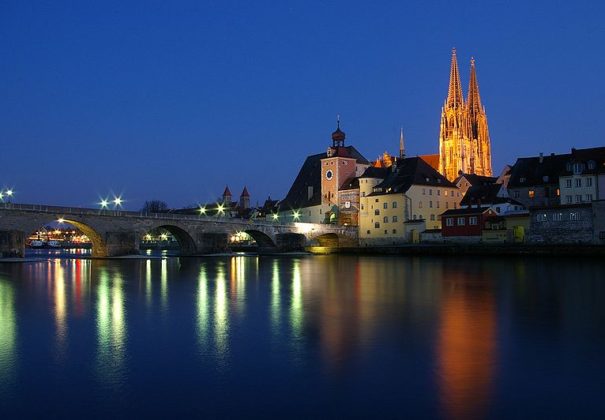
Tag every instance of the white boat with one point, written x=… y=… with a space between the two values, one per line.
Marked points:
x=37 y=244
x=54 y=244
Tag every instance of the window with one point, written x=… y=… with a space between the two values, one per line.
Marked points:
x=574 y=216
x=376 y=212
x=420 y=204
x=368 y=232
x=431 y=204
x=568 y=183
x=414 y=217
x=447 y=205
x=589 y=182
x=578 y=182
x=578 y=198
x=424 y=191
x=589 y=197
x=445 y=193
x=394 y=231
x=591 y=164
x=430 y=191
x=394 y=219
x=386 y=231
x=461 y=221
x=522 y=180
x=438 y=192
x=531 y=194
x=377 y=200
x=577 y=168
x=449 y=221
x=385 y=219
x=541 y=217
x=558 y=192
x=498 y=209
x=394 y=204
x=362 y=207
x=437 y=204
x=557 y=217
x=516 y=194
x=363 y=194
x=472 y=220
x=432 y=217
x=385 y=205
x=376 y=225
x=568 y=199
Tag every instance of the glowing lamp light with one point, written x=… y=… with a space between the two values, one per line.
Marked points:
x=275 y=216
x=221 y=208
x=296 y=215
x=163 y=237
x=202 y=210
x=118 y=201
x=1 y=195
x=104 y=203
x=61 y=220
x=9 y=193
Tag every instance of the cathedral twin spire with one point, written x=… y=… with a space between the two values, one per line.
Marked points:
x=464 y=143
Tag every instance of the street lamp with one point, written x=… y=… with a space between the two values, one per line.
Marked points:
x=117 y=202
x=295 y=215
x=61 y=220
x=202 y=210
x=104 y=203
x=220 y=208
x=275 y=217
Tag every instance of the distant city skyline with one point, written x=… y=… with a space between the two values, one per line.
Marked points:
x=151 y=100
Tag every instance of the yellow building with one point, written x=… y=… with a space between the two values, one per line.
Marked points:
x=464 y=142
x=393 y=199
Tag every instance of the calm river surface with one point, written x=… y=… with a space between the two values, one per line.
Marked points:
x=248 y=336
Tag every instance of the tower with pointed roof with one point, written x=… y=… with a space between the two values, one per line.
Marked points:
x=464 y=143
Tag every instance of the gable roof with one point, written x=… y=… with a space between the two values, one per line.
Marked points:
x=308 y=181
x=407 y=172
x=475 y=179
x=539 y=170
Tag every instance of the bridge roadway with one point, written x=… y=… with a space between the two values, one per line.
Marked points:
x=116 y=232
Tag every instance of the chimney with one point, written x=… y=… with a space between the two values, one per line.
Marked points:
x=541 y=157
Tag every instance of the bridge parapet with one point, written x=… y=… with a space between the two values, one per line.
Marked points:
x=116 y=232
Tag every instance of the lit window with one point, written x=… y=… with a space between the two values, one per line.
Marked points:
x=531 y=193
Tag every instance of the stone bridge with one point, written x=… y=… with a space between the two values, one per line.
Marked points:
x=115 y=233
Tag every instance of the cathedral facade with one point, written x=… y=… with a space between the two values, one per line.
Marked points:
x=464 y=143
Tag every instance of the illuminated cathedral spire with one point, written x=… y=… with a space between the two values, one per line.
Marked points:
x=401 y=145
x=464 y=144
x=454 y=93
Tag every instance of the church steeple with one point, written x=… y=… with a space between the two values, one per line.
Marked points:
x=401 y=145
x=474 y=99
x=454 y=93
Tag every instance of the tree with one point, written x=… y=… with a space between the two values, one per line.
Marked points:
x=154 y=206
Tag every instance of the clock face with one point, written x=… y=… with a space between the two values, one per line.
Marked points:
x=329 y=174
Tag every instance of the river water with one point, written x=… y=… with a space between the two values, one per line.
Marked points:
x=301 y=336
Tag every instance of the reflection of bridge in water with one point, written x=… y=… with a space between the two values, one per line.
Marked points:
x=115 y=233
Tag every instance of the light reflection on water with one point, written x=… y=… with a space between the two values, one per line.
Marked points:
x=437 y=337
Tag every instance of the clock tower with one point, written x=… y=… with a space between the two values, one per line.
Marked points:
x=336 y=168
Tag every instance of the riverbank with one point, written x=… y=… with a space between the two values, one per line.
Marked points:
x=467 y=249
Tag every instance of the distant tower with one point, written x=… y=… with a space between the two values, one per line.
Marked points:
x=401 y=145
x=227 y=196
x=337 y=167
x=244 y=199
x=464 y=144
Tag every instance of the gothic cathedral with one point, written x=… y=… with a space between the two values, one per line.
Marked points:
x=464 y=145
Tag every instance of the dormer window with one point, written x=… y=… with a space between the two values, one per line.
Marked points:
x=522 y=179
x=577 y=168
x=545 y=178
x=591 y=165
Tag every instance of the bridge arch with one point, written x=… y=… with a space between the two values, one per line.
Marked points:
x=99 y=245
x=184 y=238
x=328 y=240
x=262 y=239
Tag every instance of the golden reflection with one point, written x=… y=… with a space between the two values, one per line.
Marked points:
x=221 y=312
x=111 y=326
x=202 y=307
x=466 y=346
x=296 y=307
x=60 y=307
x=81 y=281
x=238 y=281
x=275 y=296
x=8 y=333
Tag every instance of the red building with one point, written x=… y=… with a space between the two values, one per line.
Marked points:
x=466 y=222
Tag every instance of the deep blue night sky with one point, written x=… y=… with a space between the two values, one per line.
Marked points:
x=173 y=100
